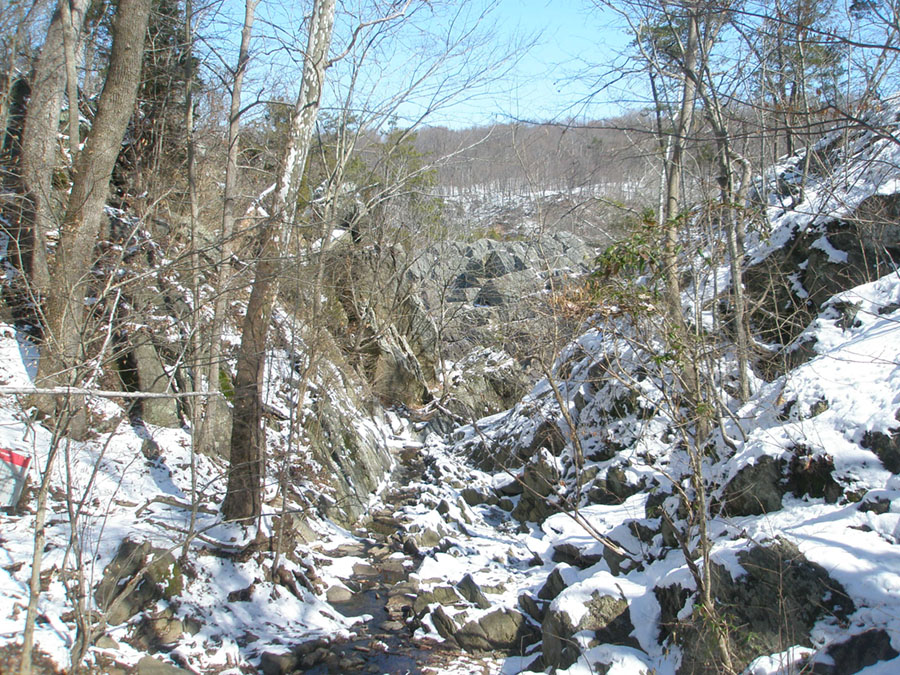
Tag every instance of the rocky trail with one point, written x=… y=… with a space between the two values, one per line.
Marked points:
x=381 y=588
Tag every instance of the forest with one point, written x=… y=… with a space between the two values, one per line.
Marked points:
x=298 y=377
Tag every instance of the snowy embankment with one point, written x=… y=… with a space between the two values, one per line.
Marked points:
x=802 y=480
x=215 y=610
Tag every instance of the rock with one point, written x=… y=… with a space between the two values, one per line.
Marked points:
x=155 y=632
x=472 y=592
x=398 y=375
x=501 y=630
x=338 y=594
x=444 y=624
x=444 y=595
x=499 y=263
x=162 y=579
x=507 y=630
x=512 y=488
x=508 y=289
x=546 y=435
x=364 y=569
x=858 y=652
x=278 y=664
x=106 y=642
x=393 y=570
x=493 y=382
x=808 y=475
x=242 y=594
x=782 y=593
x=426 y=538
x=539 y=481
x=151 y=376
x=571 y=554
x=555 y=584
x=150 y=666
x=531 y=607
x=150 y=449
x=613 y=488
x=876 y=505
x=756 y=489
x=607 y=615
x=886 y=446
x=215 y=430
x=475 y=497
x=354 y=459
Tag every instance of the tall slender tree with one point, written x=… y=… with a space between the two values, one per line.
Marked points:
x=243 y=500
x=69 y=273
x=39 y=141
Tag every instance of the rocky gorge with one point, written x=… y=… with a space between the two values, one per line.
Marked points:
x=472 y=482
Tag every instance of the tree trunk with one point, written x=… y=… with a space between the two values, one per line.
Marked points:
x=209 y=441
x=244 y=499
x=39 y=142
x=683 y=127
x=62 y=349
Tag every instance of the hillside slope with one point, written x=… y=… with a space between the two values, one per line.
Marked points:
x=792 y=495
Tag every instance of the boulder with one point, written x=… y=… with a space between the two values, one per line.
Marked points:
x=152 y=377
x=472 y=592
x=858 y=652
x=162 y=579
x=756 y=489
x=150 y=666
x=608 y=616
x=536 y=503
x=505 y=630
x=781 y=593
x=555 y=583
x=157 y=632
x=886 y=446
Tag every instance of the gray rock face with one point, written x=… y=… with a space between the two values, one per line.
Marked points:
x=162 y=579
x=782 y=593
x=508 y=289
x=490 y=381
x=756 y=489
x=608 y=616
x=485 y=282
x=355 y=460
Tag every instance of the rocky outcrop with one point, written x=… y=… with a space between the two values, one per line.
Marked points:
x=135 y=579
x=780 y=593
x=472 y=289
x=607 y=616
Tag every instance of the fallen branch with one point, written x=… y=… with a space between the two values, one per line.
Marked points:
x=101 y=393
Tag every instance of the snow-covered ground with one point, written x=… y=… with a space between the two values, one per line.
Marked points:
x=829 y=425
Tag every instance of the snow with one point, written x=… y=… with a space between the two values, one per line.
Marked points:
x=822 y=408
x=612 y=395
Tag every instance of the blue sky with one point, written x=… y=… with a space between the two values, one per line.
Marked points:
x=571 y=37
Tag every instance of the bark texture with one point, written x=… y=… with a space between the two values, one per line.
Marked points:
x=243 y=500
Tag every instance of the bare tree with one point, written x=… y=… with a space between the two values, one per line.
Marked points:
x=63 y=348
x=243 y=499
x=39 y=139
